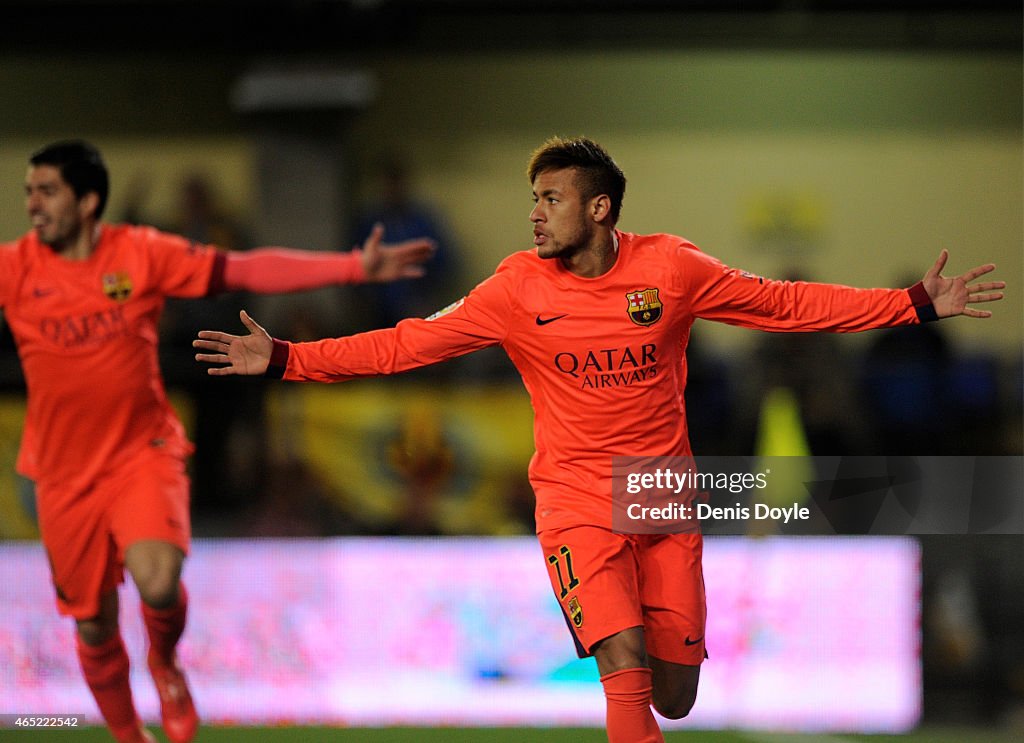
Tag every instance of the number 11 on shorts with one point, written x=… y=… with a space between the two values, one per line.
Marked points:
x=557 y=562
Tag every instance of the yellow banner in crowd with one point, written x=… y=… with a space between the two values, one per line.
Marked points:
x=17 y=510
x=413 y=458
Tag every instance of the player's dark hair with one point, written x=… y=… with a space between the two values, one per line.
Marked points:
x=81 y=166
x=597 y=173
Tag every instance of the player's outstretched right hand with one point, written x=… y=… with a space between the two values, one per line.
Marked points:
x=236 y=354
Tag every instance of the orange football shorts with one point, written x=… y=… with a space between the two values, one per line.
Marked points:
x=607 y=582
x=86 y=533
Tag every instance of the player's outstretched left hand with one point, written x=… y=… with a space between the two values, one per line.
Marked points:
x=404 y=260
x=951 y=296
x=237 y=354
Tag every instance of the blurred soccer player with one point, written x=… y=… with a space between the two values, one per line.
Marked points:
x=101 y=442
x=596 y=320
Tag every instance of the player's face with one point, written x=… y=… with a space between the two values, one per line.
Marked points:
x=561 y=227
x=53 y=209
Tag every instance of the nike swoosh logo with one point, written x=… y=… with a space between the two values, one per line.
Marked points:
x=546 y=320
x=37 y=292
x=688 y=641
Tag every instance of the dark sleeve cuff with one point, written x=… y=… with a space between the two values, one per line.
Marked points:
x=922 y=303
x=278 y=360
x=217 y=284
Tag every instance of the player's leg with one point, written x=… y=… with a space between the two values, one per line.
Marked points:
x=105 y=667
x=152 y=528
x=86 y=574
x=626 y=678
x=593 y=574
x=155 y=567
x=674 y=687
x=672 y=592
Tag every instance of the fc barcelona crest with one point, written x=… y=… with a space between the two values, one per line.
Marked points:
x=117 y=286
x=575 y=612
x=643 y=306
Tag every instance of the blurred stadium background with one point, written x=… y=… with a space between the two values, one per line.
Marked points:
x=843 y=142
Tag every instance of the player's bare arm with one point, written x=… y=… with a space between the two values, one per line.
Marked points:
x=951 y=296
x=389 y=262
x=244 y=355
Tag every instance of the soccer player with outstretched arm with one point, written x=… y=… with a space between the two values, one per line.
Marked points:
x=596 y=320
x=101 y=442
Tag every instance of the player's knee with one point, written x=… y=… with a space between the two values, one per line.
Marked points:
x=156 y=570
x=674 y=708
x=160 y=594
x=159 y=589
x=95 y=632
x=97 y=629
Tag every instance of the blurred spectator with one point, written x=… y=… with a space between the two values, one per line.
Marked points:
x=403 y=217
x=903 y=387
x=815 y=368
x=709 y=399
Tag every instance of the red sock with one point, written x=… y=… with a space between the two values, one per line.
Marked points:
x=164 y=627
x=630 y=719
x=105 y=668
